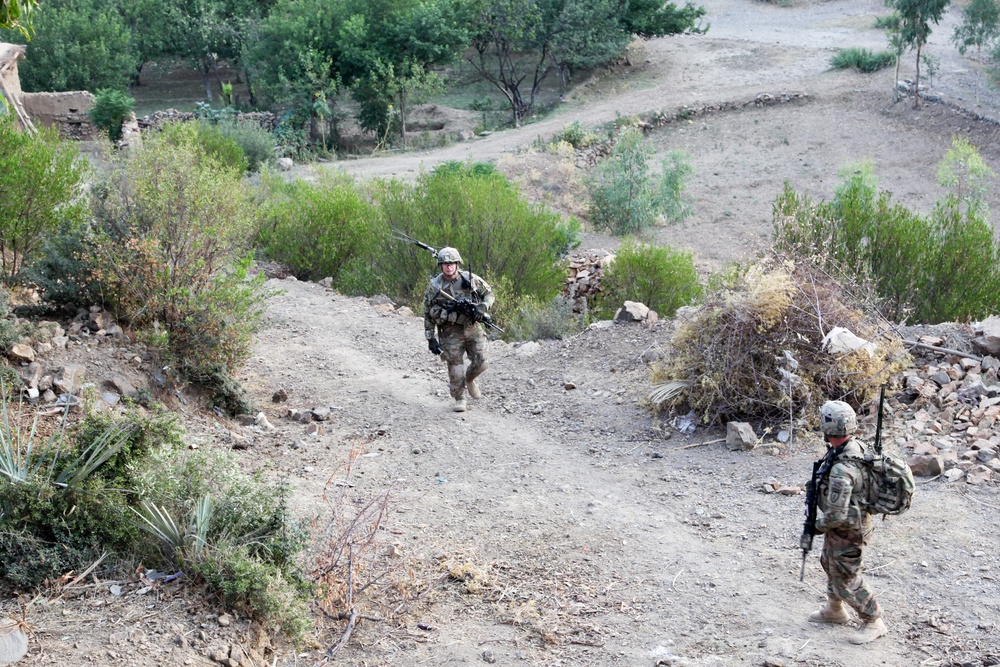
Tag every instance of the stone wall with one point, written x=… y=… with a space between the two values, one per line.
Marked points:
x=66 y=112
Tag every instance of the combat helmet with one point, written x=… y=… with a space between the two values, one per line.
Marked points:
x=838 y=419
x=447 y=255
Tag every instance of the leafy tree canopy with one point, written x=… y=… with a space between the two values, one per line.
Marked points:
x=16 y=15
x=78 y=45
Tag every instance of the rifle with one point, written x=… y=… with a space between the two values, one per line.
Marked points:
x=406 y=238
x=820 y=469
x=468 y=307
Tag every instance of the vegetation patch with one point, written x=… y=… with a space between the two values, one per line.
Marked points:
x=767 y=345
x=862 y=59
x=937 y=268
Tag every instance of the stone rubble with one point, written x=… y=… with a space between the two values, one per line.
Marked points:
x=948 y=416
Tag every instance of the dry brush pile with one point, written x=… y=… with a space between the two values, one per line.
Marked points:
x=777 y=338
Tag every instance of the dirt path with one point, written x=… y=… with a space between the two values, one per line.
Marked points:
x=578 y=505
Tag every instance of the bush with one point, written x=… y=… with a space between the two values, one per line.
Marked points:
x=660 y=277
x=234 y=531
x=575 y=135
x=754 y=350
x=534 y=319
x=498 y=232
x=111 y=109
x=173 y=227
x=64 y=500
x=41 y=182
x=931 y=269
x=862 y=59
x=61 y=268
x=257 y=143
x=625 y=199
x=210 y=140
x=319 y=230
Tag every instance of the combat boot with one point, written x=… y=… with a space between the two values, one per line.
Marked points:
x=869 y=632
x=459 y=405
x=833 y=612
x=473 y=389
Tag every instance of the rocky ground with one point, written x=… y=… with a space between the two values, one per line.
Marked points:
x=559 y=522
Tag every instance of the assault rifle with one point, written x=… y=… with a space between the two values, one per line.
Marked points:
x=469 y=308
x=820 y=469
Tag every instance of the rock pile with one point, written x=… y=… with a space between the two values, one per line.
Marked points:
x=583 y=277
x=950 y=413
x=57 y=388
x=157 y=119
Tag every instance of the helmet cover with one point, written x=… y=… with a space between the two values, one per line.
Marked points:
x=838 y=419
x=448 y=255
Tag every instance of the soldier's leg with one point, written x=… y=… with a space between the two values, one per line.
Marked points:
x=453 y=348
x=833 y=611
x=475 y=346
x=846 y=579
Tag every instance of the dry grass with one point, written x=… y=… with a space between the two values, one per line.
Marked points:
x=549 y=176
x=755 y=350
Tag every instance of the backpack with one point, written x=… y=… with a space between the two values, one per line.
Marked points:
x=890 y=482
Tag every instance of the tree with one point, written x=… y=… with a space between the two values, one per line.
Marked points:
x=389 y=48
x=915 y=17
x=518 y=39
x=979 y=28
x=383 y=51
x=78 y=45
x=41 y=182
x=16 y=15
x=625 y=197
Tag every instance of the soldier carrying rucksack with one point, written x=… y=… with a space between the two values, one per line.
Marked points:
x=849 y=485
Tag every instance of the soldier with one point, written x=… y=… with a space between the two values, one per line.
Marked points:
x=846 y=527
x=459 y=333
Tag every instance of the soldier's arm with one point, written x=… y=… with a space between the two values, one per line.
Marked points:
x=484 y=292
x=430 y=329
x=837 y=499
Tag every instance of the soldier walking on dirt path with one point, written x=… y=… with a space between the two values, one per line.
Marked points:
x=454 y=305
x=846 y=526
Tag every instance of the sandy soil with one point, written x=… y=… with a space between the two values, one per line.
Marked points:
x=589 y=532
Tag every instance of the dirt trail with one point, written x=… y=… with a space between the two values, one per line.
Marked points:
x=634 y=547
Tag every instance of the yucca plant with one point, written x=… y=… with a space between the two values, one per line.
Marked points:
x=188 y=539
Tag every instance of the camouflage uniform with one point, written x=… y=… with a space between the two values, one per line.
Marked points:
x=457 y=333
x=847 y=528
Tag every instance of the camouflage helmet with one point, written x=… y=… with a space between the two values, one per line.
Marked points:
x=448 y=255
x=838 y=419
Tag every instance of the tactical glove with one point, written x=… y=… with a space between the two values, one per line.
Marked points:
x=432 y=345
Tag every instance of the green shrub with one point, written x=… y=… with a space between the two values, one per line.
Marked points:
x=234 y=531
x=625 y=198
x=257 y=143
x=575 y=135
x=41 y=180
x=10 y=332
x=862 y=59
x=930 y=269
x=498 y=232
x=658 y=276
x=111 y=109
x=172 y=228
x=58 y=511
x=319 y=230
x=61 y=268
x=210 y=140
